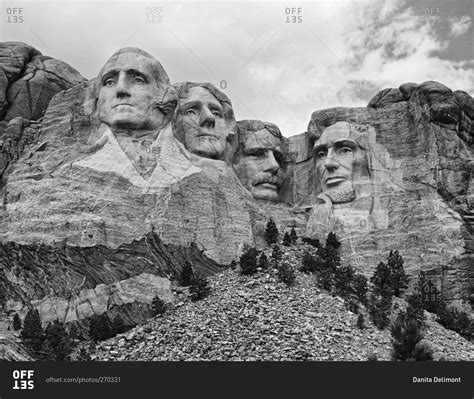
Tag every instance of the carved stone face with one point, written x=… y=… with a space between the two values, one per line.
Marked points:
x=258 y=164
x=340 y=162
x=129 y=91
x=201 y=118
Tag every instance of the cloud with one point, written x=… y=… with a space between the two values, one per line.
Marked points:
x=459 y=26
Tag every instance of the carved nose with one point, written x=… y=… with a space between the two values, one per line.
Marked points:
x=207 y=118
x=330 y=163
x=271 y=164
x=122 y=87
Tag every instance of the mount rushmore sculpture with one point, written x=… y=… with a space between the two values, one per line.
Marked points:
x=128 y=165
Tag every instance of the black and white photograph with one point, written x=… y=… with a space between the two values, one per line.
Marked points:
x=237 y=188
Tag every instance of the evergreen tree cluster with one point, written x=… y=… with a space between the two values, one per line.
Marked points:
x=197 y=283
x=51 y=343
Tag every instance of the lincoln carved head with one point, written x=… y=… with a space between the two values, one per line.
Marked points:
x=259 y=160
x=341 y=161
x=204 y=121
x=134 y=92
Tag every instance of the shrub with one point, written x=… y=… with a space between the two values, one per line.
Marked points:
x=158 y=305
x=311 y=241
x=360 y=321
x=263 y=261
x=361 y=288
x=311 y=264
x=372 y=357
x=379 y=310
x=186 y=275
x=16 y=322
x=248 y=261
x=286 y=273
x=406 y=337
x=46 y=352
x=382 y=281
x=458 y=321
x=64 y=349
x=73 y=332
x=276 y=255
x=415 y=309
x=271 y=232
x=293 y=236
x=399 y=277
x=84 y=356
x=199 y=288
x=55 y=332
x=332 y=241
x=344 y=281
x=287 y=240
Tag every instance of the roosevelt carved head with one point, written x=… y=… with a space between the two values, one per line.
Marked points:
x=133 y=92
x=204 y=121
x=341 y=161
x=259 y=160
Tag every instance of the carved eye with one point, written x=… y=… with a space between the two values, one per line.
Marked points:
x=190 y=112
x=109 y=82
x=321 y=154
x=257 y=153
x=139 y=79
x=345 y=150
x=217 y=114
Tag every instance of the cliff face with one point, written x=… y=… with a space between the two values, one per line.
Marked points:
x=418 y=196
x=83 y=233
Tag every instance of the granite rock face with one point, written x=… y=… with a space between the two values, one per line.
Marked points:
x=126 y=177
x=416 y=142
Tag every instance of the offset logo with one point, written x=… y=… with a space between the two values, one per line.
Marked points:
x=23 y=379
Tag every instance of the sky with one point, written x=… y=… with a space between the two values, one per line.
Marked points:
x=277 y=61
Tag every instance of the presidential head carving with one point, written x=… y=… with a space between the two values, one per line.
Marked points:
x=260 y=159
x=204 y=121
x=133 y=92
x=341 y=161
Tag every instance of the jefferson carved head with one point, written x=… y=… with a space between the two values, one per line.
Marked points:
x=259 y=160
x=204 y=120
x=134 y=92
x=341 y=161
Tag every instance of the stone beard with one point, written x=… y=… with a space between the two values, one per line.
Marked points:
x=201 y=121
x=340 y=163
x=134 y=93
x=259 y=161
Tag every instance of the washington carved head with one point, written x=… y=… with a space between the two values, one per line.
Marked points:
x=259 y=161
x=133 y=92
x=204 y=121
x=341 y=161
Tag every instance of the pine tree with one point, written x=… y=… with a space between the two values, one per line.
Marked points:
x=263 y=261
x=415 y=310
x=248 y=261
x=276 y=255
x=16 y=322
x=64 y=349
x=33 y=333
x=381 y=297
x=406 y=337
x=186 y=275
x=46 y=352
x=55 y=332
x=332 y=241
x=271 y=232
x=293 y=236
x=399 y=277
x=73 y=332
x=158 y=305
x=286 y=273
x=287 y=240
x=199 y=287
x=99 y=328
x=382 y=280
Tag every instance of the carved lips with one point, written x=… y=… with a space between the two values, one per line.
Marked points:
x=335 y=180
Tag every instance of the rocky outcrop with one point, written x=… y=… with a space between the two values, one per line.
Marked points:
x=73 y=283
x=418 y=140
x=28 y=81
